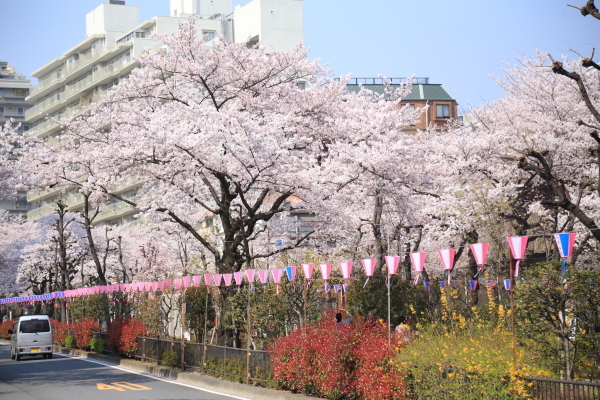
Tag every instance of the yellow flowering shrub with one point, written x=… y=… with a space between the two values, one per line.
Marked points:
x=467 y=357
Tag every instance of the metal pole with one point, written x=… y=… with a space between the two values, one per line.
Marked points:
x=205 y=326
x=389 y=319
x=512 y=317
x=248 y=339
x=183 y=331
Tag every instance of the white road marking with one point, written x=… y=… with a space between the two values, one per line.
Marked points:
x=153 y=377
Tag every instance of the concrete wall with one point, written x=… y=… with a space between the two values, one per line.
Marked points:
x=279 y=24
x=111 y=18
x=204 y=8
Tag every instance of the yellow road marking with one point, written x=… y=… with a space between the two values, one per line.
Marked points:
x=131 y=386
x=121 y=386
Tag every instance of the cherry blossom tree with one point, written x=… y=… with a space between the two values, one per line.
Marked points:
x=224 y=133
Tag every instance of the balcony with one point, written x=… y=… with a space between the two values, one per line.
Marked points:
x=40 y=212
x=44 y=105
x=115 y=210
x=84 y=60
x=50 y=82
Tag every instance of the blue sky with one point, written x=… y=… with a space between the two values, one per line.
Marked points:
x=456 y=43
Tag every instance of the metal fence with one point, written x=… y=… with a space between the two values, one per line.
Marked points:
x=554 y=389
x=250 y=366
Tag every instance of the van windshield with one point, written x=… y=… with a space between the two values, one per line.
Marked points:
x=35 y=326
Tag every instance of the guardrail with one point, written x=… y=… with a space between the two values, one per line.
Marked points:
x=211 y=358
x=551 y=389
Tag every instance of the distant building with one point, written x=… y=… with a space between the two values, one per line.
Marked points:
x=14 y=88
x=442 y=106
x=114 y=37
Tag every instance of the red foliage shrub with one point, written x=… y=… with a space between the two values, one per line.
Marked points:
x=60 y=331
x=338 y=361
x=123 y=334
x=83 y=331
x=115 y=330
x=376 y=376
x=4 y=327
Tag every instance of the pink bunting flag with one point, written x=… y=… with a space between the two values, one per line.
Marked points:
x=227 y=278
x=418 y=262
x=325 y=271
x=161 y=285
x=239 y=278
x=96 y=290
x=276 y=278
x=207 y=279
x=480 y=252
x=392 y=263
x=155 y=286
x=250 y=275
x=308 y=270
x=217 y=279
x=196 y=280
x=369 y=266
x=346 y=268
x=447 y=258
x=140 y=286
x=147 y=286
x=263 y=275
x=518 y=246
x=186 y=281
x=168 y=283
x=178 y=283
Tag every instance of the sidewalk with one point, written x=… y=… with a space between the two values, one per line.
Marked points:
x=201 y=381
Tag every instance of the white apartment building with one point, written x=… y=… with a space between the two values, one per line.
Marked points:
x=14 y=88
x=114 y=37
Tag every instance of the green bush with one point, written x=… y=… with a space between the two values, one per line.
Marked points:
x=97 y=345
x=170 y=359
x=68 y=341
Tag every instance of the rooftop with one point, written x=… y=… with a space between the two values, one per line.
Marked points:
x=421 y=88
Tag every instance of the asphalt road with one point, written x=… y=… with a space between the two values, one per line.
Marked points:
x=66 y=378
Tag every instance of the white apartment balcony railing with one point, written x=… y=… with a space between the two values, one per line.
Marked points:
x=44 y=126
x=41 y=211
x=44 y=105
x=49 y=81
x=114 y=210
x=40 y=129
x=84 y=60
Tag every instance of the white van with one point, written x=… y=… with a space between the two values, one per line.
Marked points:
x=30 y=336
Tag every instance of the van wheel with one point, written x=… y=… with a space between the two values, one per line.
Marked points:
x=18 y=357
x=50 y=355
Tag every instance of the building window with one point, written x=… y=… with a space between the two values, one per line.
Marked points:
x=442 y=111
x=301 y=85
x=140 y=35
x=20 y=111
x=20 y=92
x=208 y=35
x=1 y=111
x=1 y=92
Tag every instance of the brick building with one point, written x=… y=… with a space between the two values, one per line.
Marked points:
x=442 y=106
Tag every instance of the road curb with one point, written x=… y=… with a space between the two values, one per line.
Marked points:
x=200 y=381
